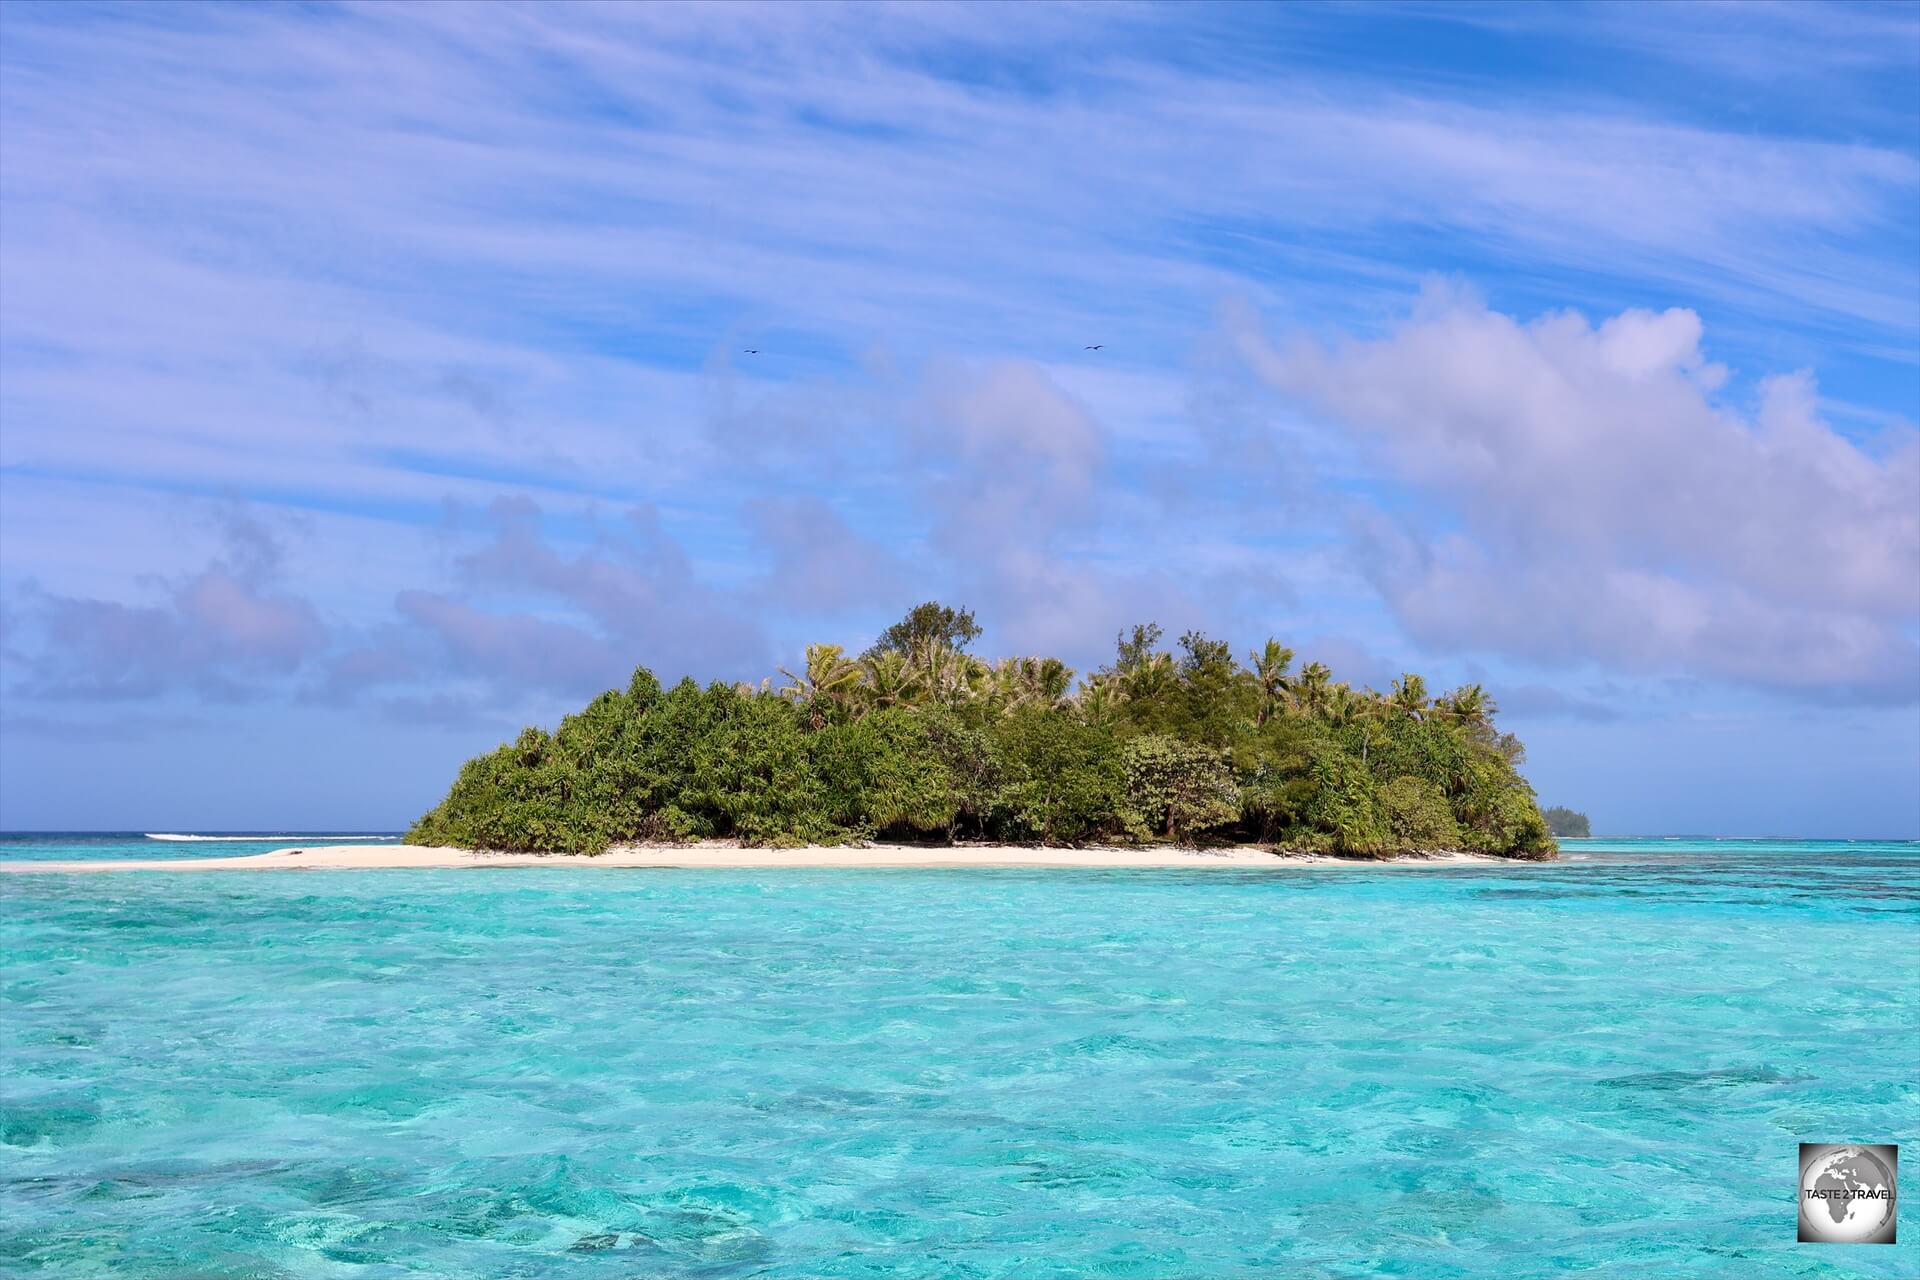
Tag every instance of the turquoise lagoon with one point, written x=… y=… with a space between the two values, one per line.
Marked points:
x=1598 y=1067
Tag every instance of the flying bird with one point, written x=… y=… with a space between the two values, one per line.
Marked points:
x=751 y=351
x=1096 y=346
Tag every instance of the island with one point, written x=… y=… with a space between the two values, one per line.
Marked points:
x=917 y=742
x=1570 y=823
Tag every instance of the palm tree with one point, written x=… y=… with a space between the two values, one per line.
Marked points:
x=890 y=680
x=1341 y=706
x=1365 y=708
x=829 y=678
x=1002 y=688
x=1270 y=666
x=1310 y=687
x=1471 y=706
x=1409 y=696
x=1014 y=683
x=973 y=679
x=941 y=672
x=1152 y=676
x=1100 y=699
x=1047 y=681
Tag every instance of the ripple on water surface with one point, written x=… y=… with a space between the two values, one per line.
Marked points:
x=1599 y=1066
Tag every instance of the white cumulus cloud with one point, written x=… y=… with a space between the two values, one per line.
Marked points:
x=1590 y=493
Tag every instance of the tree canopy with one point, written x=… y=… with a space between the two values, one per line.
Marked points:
x=918 y=739
x=927 y=624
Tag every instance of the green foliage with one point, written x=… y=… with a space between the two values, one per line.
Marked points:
x=1498 y=813
x=919 y=740
x=1136 y=650
x=1179 y=789
x=1275 y=785
x=1418 y=815
x=885 y=773
x=972 y=761
x=758 y=774
x=929 y=624
x=1060 y=781
x=1341 y=810
x=1400 y=746
x=1567 y=822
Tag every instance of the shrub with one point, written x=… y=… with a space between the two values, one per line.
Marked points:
x=1341 y=805
x=972 y=761
x=757 y=774
x=516 y=798
x=1179 y=789
x=1508 y=823
x=1061 y=781
x=1418 y=815
x=883 y=773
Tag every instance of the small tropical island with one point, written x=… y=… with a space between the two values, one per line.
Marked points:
x=1568 y=823
x=918 y=741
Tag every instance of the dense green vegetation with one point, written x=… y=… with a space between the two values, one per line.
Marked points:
x=918 y=739
x=1567 y=822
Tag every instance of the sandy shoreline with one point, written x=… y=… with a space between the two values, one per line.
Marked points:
x=724 y=856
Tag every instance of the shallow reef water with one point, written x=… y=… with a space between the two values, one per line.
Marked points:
x=1601 y=1066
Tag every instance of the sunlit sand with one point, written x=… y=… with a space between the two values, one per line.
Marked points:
x=721 y=856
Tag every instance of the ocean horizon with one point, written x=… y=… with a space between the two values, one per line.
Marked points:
x=1600 y=1065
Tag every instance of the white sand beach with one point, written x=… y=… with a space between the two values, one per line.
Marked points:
x=718 y=855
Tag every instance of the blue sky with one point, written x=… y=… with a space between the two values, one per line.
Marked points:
x=373 y=379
